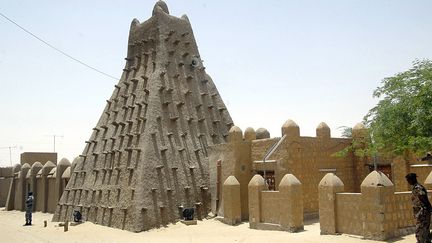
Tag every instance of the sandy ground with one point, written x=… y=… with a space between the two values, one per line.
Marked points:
x=208 y=231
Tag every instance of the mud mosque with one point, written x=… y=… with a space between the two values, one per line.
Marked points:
x=165 y=141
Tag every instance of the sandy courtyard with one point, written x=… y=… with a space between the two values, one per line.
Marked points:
x=208 y=231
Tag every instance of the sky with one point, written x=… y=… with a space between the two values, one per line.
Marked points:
x=274 y=60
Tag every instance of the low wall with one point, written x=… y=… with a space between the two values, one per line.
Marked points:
x=276 y=210
x=404 y=209
x=4 y=189
x=6 y=175
x=376 y=213
x=6 y=172
x=348 y=213
x=270 y=203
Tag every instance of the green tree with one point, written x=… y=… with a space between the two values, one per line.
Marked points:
x=402 y=119
x=361 y=147
x=346 y=132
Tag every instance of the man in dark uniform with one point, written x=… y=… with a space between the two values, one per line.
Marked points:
x=421 y=209
x=29 y=209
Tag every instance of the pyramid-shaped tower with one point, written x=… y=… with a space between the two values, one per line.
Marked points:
x=147 y=157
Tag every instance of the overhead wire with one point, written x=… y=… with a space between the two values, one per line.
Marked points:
x=56 y=49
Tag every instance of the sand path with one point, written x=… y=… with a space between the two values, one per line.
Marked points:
x=207 y=231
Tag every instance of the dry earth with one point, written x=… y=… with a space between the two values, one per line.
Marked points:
x=208 y=231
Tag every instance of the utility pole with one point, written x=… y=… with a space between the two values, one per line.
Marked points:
x=54 y=138
x=10 y=152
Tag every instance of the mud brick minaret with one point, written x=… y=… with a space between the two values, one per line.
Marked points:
x=146 y=159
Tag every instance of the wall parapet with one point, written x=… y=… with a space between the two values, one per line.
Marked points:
x=39 y=179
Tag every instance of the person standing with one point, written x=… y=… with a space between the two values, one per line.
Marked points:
x=421 y=209
x=29 y=209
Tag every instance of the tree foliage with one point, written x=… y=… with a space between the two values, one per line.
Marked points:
x=361 y=147
x=402 y=119
x=346 y=132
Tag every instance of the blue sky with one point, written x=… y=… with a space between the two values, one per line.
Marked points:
x=309 y=61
